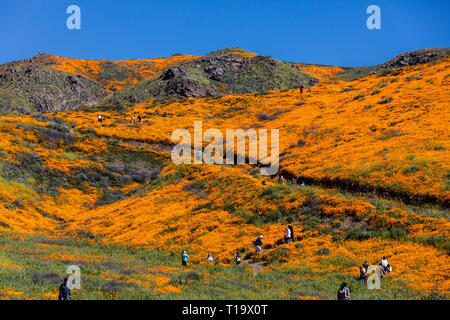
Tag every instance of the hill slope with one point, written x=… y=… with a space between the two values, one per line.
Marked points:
x=373 y=154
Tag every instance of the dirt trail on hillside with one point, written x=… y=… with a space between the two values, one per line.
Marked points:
x=257 y=266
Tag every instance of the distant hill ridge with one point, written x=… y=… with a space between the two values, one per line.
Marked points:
x=47 y=83
x=227 y=71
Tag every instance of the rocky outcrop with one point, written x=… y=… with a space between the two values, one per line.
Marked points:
x=222 y=72
x=27 y=86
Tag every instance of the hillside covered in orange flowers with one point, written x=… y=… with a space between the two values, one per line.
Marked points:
x=365 y=165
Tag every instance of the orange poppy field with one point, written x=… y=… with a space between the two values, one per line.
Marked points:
x=366 y=174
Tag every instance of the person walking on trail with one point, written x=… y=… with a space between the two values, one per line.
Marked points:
x=258 y=245
x=288 y=235
x=139 y=119
x=184 y=258
x=301 y=88
x=210 y=258
x=133 y=121
x=64 y=291
x=292 y=232
x=238 y=259
x=99 y=117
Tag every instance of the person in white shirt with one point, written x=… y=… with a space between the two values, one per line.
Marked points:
x=210 y=258
x=288 y=235
x=385 y=264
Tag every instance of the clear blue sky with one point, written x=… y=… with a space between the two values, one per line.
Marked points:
x=326 y=32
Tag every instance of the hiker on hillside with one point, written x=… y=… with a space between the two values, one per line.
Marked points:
x=287 y=238
x=238 y=259
x=366 y=265
x=347 y=291
x=303 y=184
x=64 y=291
x=99 y=117
x=184 y=258
x=210 y=258
x=139 y=119
x=280 y=178
x=133 y=121
x=363 y=274
x=258 y=245
x=292 y=232
x=301 y=88
x=343 y=292
x=384 y=264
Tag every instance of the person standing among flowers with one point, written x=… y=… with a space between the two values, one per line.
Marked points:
x=288 y=235
x=341 y=292
x=238 y=258
x=347 y=291
x=64 y=291
x=385 y=265
x=363 y=274
x=292 y=232
x=280 y=178
x=184 y=258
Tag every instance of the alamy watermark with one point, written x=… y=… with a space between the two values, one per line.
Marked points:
x=214 y=152
x=374 y=20
x=74 y=20
x=73 y=277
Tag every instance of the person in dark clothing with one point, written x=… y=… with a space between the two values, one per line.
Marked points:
x=343 y=292
x=292 y=232
x=139 y=119
x=280 y=178
x=365 y=265
x=64 y=291
x=301 y=88
x=363 y=274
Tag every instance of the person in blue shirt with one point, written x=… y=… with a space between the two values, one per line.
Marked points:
x=346 y=291
x=64 y=291
x=184 y=258
x=258 y=245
